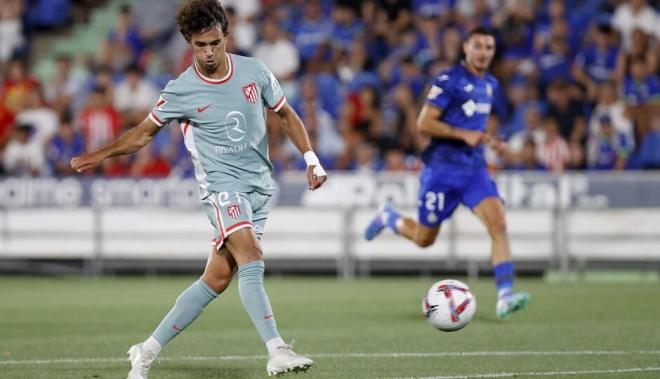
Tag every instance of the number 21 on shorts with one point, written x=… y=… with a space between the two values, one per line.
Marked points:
x=435 y=201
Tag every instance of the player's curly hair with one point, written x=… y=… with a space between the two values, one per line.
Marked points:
x=198 y=16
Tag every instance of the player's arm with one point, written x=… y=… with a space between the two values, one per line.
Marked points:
x=295 y=130
x=429 y=123
x=130 y=142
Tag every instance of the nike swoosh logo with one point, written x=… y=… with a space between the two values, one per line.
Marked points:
x=202 y=109
x=266 y=317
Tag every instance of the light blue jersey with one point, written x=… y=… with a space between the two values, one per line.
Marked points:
x=224 y=124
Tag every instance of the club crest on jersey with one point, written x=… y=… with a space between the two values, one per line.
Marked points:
x=234 y=211
x=250 y=92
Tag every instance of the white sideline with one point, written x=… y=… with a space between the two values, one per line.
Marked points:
x=343 y=355
x=543 y=373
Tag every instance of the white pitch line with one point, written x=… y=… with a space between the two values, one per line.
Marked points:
x=544 y=373
x=341 y=355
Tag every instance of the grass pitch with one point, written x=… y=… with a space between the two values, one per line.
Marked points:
x=371 y=328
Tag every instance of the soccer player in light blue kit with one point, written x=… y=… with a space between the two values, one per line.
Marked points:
x=455 y=116
x=219 y=103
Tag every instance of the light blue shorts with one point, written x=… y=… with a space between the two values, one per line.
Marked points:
x=232 y=211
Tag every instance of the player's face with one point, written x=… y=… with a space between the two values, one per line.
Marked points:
x=479 y=51
x=209 y=48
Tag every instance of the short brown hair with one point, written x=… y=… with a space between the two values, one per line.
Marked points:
x=198 y=16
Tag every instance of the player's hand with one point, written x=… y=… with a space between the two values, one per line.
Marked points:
x=86 y=162
x=500 y=147
x=316 y=176
x=473 y=137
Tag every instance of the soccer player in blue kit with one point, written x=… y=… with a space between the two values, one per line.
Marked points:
x=455 y=116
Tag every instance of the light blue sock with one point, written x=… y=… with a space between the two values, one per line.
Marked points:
x=255 y=300
x=187 y=307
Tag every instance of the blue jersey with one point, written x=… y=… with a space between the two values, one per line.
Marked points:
x=466 y=100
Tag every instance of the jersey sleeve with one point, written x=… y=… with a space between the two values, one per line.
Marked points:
x=440 y=92
x=271 y=91
x=167 y=108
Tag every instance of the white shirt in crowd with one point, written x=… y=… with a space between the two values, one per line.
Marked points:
x=143 y=96
x=626 y=22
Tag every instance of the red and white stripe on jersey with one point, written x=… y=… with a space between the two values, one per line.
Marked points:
x=279 y=104
x=155 y=119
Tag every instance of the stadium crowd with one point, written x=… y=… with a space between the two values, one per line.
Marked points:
x=579 y=87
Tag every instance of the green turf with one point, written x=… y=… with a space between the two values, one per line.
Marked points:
x=82 y=319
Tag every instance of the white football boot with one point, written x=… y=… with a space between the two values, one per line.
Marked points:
x=284 y=360
x=141 y=361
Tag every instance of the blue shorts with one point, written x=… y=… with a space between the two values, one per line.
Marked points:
x=443 y=187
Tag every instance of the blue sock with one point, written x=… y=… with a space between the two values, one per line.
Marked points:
x=255 y=300
x=504 y=274
x=187 y=307
x=391 y=217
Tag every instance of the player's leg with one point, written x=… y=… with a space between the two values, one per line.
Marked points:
x=245 y=247
x=220 y=268
x=481 y=195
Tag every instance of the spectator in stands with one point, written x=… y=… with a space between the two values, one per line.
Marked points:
x=395 y=159
x=12 y=39
x=99 y=120
x=611 y=106
x=400 y=120
x=313 y=33
x=43 y=119
x=67 y=144
x=644 y=47
x=123 y=45
x=361 y=119
x=279 y=54
x=17 y=85
x=364 y=158
x=156 y=21
x=600 y=61
x=649 y=152
x=533 y=131
x=149 y=163
x=553 y=61
x=515 y=21
x=554 y=152
x=7 y=126
x=527 y=158
x=244 y=29
x=567 y=111
x=134 y=96
x=609 y=148
x=102 y=81
x=635 y=14
x=24 y=155
x=64 y=86
x=642 y=94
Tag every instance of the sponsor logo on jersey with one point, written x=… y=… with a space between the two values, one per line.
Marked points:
x=234 y=211
x=250 y=92
x=470 y=108
x=237 y=129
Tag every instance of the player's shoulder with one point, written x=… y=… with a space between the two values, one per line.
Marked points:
x=249 y=63
x=449 y=76
x=181 y=83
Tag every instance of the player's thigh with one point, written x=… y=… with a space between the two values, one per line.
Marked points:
x=437 y=200
x=220 y=269
x=260 y=210
x=244 y=246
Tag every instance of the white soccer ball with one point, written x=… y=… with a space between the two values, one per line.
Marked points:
x=449 y=305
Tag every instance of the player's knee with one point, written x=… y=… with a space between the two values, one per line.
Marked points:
x=217 y=283
x=425 y=241
x=497 y=227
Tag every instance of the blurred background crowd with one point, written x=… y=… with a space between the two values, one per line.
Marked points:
x=580 y=86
